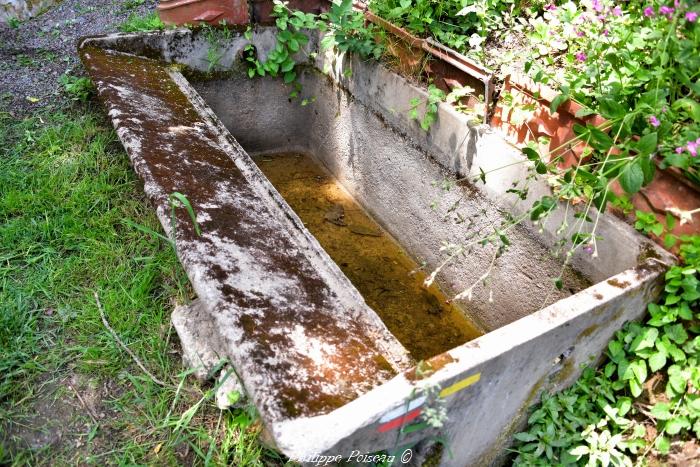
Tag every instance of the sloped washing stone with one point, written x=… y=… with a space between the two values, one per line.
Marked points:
x=300 y=336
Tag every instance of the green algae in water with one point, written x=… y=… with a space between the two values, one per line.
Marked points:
x=374 y=262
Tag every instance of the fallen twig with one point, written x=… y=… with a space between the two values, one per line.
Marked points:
x=123 y=346
x=82 y=402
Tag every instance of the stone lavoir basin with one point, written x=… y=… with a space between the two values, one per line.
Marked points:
x=318 y=220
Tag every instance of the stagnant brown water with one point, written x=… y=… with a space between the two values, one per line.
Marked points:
x=373 y=261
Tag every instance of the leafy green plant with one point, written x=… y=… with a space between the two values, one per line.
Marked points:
x=637 y=66
x=14 y=22
x=290 y=40
x=217 y=38
x=463 y=25
x=79 y=88
x=647 y=223
x=431 y=103
x=587 y=421
x=131 y=4
x=138 y=23
x=346 y=31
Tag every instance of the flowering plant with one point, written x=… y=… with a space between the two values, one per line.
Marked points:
x=638 y=66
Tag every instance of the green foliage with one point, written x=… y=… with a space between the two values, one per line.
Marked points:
x=14 y=22
x=586 y=423
x=461 y=24
x=435 y=96
x=637 y=67
x=217 y=38
x=79 y=88
x=131 y=4
x=647 y=223
x=346 y=31
x=290 y=41
x=137 y=23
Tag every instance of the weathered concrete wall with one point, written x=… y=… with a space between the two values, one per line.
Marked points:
x=396 y=182
x=22 y=9
x=359 y=127
x=391 y=174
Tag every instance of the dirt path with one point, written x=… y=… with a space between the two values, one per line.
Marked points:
x=36 y=53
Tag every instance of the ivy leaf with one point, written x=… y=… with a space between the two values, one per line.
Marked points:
x=293 y=45
x=612 y=109
x=289 y=77
x=647 y=144
x=287 y=65
x=557 y=101
x=534 y=156
x=624 y=372
x=676 y=385
x=676 y=333
x=639 y=368
x=525 y=437
x=632 y=178
x=657 y=361
x=635 y=388
x=662 y=444
x=616 y=351
x=645 y=339
x=676 y=424
x=661 y=411
x=685 y=312
x=584 y=112
x=648 y=168
x=624 y=404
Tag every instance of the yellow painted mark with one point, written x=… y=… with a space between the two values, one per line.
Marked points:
x=468 y=381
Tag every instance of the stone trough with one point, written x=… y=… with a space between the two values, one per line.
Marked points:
x=328 y=374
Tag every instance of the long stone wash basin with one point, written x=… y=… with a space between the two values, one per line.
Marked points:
x=317 y=221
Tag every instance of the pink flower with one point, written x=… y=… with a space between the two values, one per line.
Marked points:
x=581 y=57
x=597 y=6
x=654 y=121
x=679 y=149
x=691 y=16
x=693 y=147
x=550 y=7
x=588 y=249
x=580 y=33
x=666 y=10
x=617 y=11
x=606 y=32
x=649 y=12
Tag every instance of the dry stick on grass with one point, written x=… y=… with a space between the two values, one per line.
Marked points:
x=87 y=407
x=123 y=346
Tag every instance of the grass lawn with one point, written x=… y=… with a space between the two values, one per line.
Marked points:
x=68 y=392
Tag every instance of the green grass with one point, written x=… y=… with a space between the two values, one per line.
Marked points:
x=66 y=194
x=136 y=23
